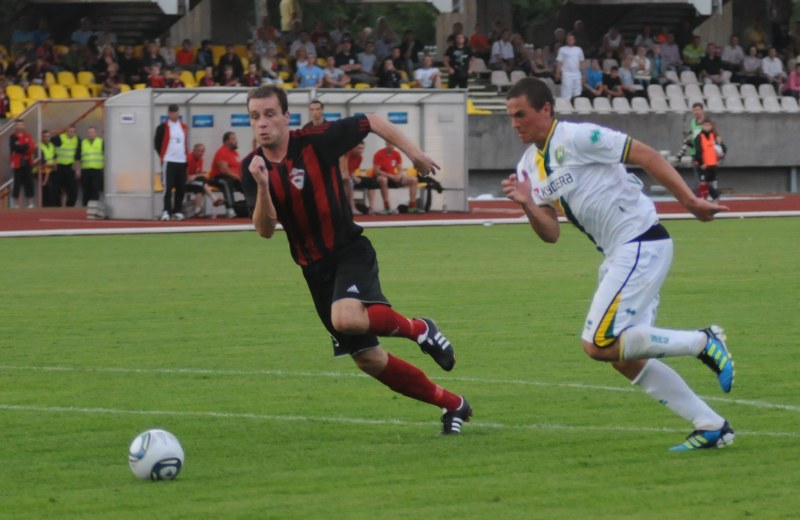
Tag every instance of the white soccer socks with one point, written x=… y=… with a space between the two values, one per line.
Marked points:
x=645 y=342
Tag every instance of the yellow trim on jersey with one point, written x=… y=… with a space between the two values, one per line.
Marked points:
x=600 y=335
x=549 y=136
x=627 y=150
x=539 y=160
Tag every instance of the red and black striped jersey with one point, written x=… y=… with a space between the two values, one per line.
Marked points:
x=306 y=188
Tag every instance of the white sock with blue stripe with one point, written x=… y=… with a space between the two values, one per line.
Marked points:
x=646 y=342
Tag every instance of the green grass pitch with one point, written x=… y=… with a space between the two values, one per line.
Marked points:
x=213 y=337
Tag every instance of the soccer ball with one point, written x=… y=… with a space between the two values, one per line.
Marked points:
x=155 y=455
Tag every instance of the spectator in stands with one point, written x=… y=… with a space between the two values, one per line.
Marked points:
x=185 y=57
x=21 y=154
x=253 y=76
x=290 y=12
x=388 y=77
x=35 y=73
x=300 y=58
x=230 y=58
x=74 y=59
x=792 y=86
x=208 y=79
x=645 y=39
x=642 y=67
x=292 y=34
x=83 y=33
x=582 y=39
x=106 y=34
x=347 y=60
x=772 y=69
x=657 y=67
x=196 y=181
x=156 y=78
x=266 y=32
x=167 y=52
x=332 y=76
x=152 y=57
x=568 y=68
x=111 y=83
x=612 y=86
x=107 y=58
x=732 y=56
x=92 y=164
x=129 y=66
x=399 y=63
x=225 y=171
x=173 y=78
x=693 y=54
x=229 y=78
x=522 y=59
x=559 y=40
x=369 y=63
x=671 y=53
x=309 y=75
x=711 y=65
x=338 y=31
x=540 y=64
x=410 y=49
x=47 y=51
x=502 y=57
x=387 y=165
x=756 y=36
x=270 y=67
x=427 y=76
x=385 y=44
x=593 y=80
x=42 y=33
x=459 y=62
x=321 y=39
x=205 y=57
x=68 y=170
x=750 y=71
x=479 y=43
x=613 y=42
x=629 y=86
x=497 y=32
x=303 y=41
x=4 y=102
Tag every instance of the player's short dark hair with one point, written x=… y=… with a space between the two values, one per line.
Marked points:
x=317 y=102
x=265 y=91
x=226 y=135
x=698 y=104
x=536 y=91
x=172 y=108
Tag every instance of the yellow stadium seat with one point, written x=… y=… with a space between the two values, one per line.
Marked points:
x=322 y=62
x=362 y=85
x=79 y=91
x=124 y=87
x=286 y=85
x=16 y=107
x=86 y=77
x=139 y=86
x=188 y=78
x=58 y=91
x=217 y=51
x=285 y=75
x=475 y=111
x=245 y=62
x=198 y=76
x=240 y=50
x=61 y=49
x=49 y=78
x=36 y=92
x=16 y=92
x=66 y=78
x=138 y=51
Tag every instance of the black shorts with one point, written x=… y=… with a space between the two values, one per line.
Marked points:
x=23 y=180
x=367 y=183
x=394 y=184
x=351 y=272
x=197 y=185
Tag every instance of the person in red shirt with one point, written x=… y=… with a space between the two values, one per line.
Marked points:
x=352 y=163
x=387 y=169
x=253 y=77
x=21 y=147
x=208 y=77
x=185 y=56
x=226 y=171
x=196 y=181
x=156 y=79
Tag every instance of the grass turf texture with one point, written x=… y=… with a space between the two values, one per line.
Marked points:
x=214 y=337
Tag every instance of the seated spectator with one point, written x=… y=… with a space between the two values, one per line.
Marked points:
x=502 y=57
x=303 y=41
x=22 y=34
x=772 y=69
x=642 y=67
x=410 y=49
x=732 y=55
x=106 y=34
x=612 y=86
x=479 y=43
x=205 y=56
x=321 y=39
x=167 y=52
x=347 y=60
x=185 y=57
x=582 y=39
x=47 y=51
x=300 y=59
x=593 y=80
x=369 y=63
x=156 y=78
x=207 y=79
x=332 y=76
x=253 y=76
x=657 y=67
x=387 y=165
x=230 y=58
x=559 y=40
x=671 y=53
x=309 y=75
x=388 y=77
x=111 y=83
x=270 y=67
x=693 y=54
x=173 y=78
x=229 y=78
x=613 y=43
x=385 y=44
x=130 y=66
x=750 y=71
x=711 y=65
x=84 y=32
x=756 y=36
x=427 y=76
x=521 y=58
x=792 y=86
x=225 y=172
x=74 y=59
x=540 y=65
x=152 y=57
x=196 y=181
x=629 y=86
x=645 y=38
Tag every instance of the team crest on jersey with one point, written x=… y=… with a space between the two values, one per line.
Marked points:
x=298 y=178
x=560 y=153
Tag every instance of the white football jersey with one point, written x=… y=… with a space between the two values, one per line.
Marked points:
x=581 y=172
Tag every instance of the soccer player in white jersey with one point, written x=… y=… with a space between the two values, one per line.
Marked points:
x=578 y=168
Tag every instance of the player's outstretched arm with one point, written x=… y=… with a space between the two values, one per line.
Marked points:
x=422 y=162
x=663 y=172
x=543 y=220
x=264 y=215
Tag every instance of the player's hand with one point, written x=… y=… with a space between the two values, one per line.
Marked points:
x=704 y=210
x=258 y=169
x=425 y=165
x=516 y=190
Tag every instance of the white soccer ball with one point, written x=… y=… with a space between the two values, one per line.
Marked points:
x=156 y=455
x=720 y=151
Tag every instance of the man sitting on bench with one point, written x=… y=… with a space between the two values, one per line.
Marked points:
x=225 y=171
x=387 y=167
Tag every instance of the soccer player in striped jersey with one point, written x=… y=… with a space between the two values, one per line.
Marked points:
x=578 y=169
x=292 y=178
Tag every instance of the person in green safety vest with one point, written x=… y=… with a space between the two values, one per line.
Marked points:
x=92 y=163
x=68 y=166
x=47 y=165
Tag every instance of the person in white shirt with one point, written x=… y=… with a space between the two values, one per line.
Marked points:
x=641 y=67
x=427 y=76
x=732 y=55
x=578 y=169
x=568 y=68
x=502 y=54
x=171 y=144
x=772 y=69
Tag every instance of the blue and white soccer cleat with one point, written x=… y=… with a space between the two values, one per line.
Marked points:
x=436 y=345
x=716 y=356
x=703 y=439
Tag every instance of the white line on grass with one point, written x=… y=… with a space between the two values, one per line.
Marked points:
x=320 y=374
x=357 y=420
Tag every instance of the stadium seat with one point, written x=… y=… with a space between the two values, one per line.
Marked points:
x=752 y=104
x=734 y=104
x=217 y=51
x=499 y=79
x=476 y=111
x=358 y=85
x=711 y=90
x=188 y=78
x=655 y=90
x=563 y=106
x=16 y=107
x=86 y=77
x=640 y=105
x=766 y=90
x=36 y=92
x=674 y=91
x=688 y=77
x=619 y=104
x=79 y=91
x=789 y=104
x=49 y=78
x=61 y=49
x=480 y=68
x=66 y=78
x=516 y=75
x=672 y=76
x=659 y=105
x=748 y=90
x=693 y=93
x=124 y=87
x=608 y=63
x=582 y=105
x=246 y=62
x=678 y=104
x=715 y=104
x=601 y=105
x=139 y=86
x=58 y=91
x=198 y=76
x=729 y=90
x=772 y=104
x=16 y=93
x=240 y=50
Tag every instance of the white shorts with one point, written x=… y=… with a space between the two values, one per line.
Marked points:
x=627 y=294
x=571 y=85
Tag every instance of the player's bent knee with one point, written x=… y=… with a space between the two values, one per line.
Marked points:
x=608 y=353
x=371 y=361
